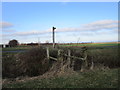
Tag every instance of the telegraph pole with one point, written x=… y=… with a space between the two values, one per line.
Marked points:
x=53 y=36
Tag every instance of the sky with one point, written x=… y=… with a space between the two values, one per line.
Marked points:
x=74 y=21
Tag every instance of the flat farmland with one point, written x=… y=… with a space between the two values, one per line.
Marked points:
x=92 y=44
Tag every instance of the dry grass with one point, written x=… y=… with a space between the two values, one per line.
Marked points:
x=33 y=62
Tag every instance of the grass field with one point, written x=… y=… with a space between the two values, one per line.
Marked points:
x=66 y=45
x=16 y=48
x=93 y=44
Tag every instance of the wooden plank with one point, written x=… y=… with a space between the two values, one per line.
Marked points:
x=53 y=58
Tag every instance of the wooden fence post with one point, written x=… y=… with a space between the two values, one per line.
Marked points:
x=86 y=62
x=60 y=55
x=92 y=65
x=82 y=67
x=73 y=63
x=48 y=56
x=69 y=54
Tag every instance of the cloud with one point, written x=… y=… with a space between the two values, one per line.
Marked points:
x=5 y=25
x=93 y=26
x=33 y=32
x=102 y=23
x=96 y=26
x=8 y=30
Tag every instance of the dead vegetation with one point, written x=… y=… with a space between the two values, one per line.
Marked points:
x=34 y=63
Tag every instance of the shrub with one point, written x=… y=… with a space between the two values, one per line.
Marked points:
x=8 y=65
x=33 y=62
x=106 y=57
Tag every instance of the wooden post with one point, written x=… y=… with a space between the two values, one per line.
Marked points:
x=86 y=62
x=59 y=52
x=54 y=37
x=73 y=63
x=60 y=56
x=82 y=66
x=48 y=56
x=69 y=54
x=92 y=65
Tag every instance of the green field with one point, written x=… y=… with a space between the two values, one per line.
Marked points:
x=65 y=45
x=93 y=44
x=16 y=48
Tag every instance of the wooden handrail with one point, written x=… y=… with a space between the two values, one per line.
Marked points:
x=53 y=58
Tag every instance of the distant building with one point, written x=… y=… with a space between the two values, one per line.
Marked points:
x=4 y=45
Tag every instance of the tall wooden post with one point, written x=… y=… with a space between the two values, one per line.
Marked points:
x=69 y=61
x=48 y=56
x=53 y=37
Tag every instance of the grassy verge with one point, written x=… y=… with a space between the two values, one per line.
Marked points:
x=91 y=79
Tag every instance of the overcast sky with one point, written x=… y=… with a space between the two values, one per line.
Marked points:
x=75 y=21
